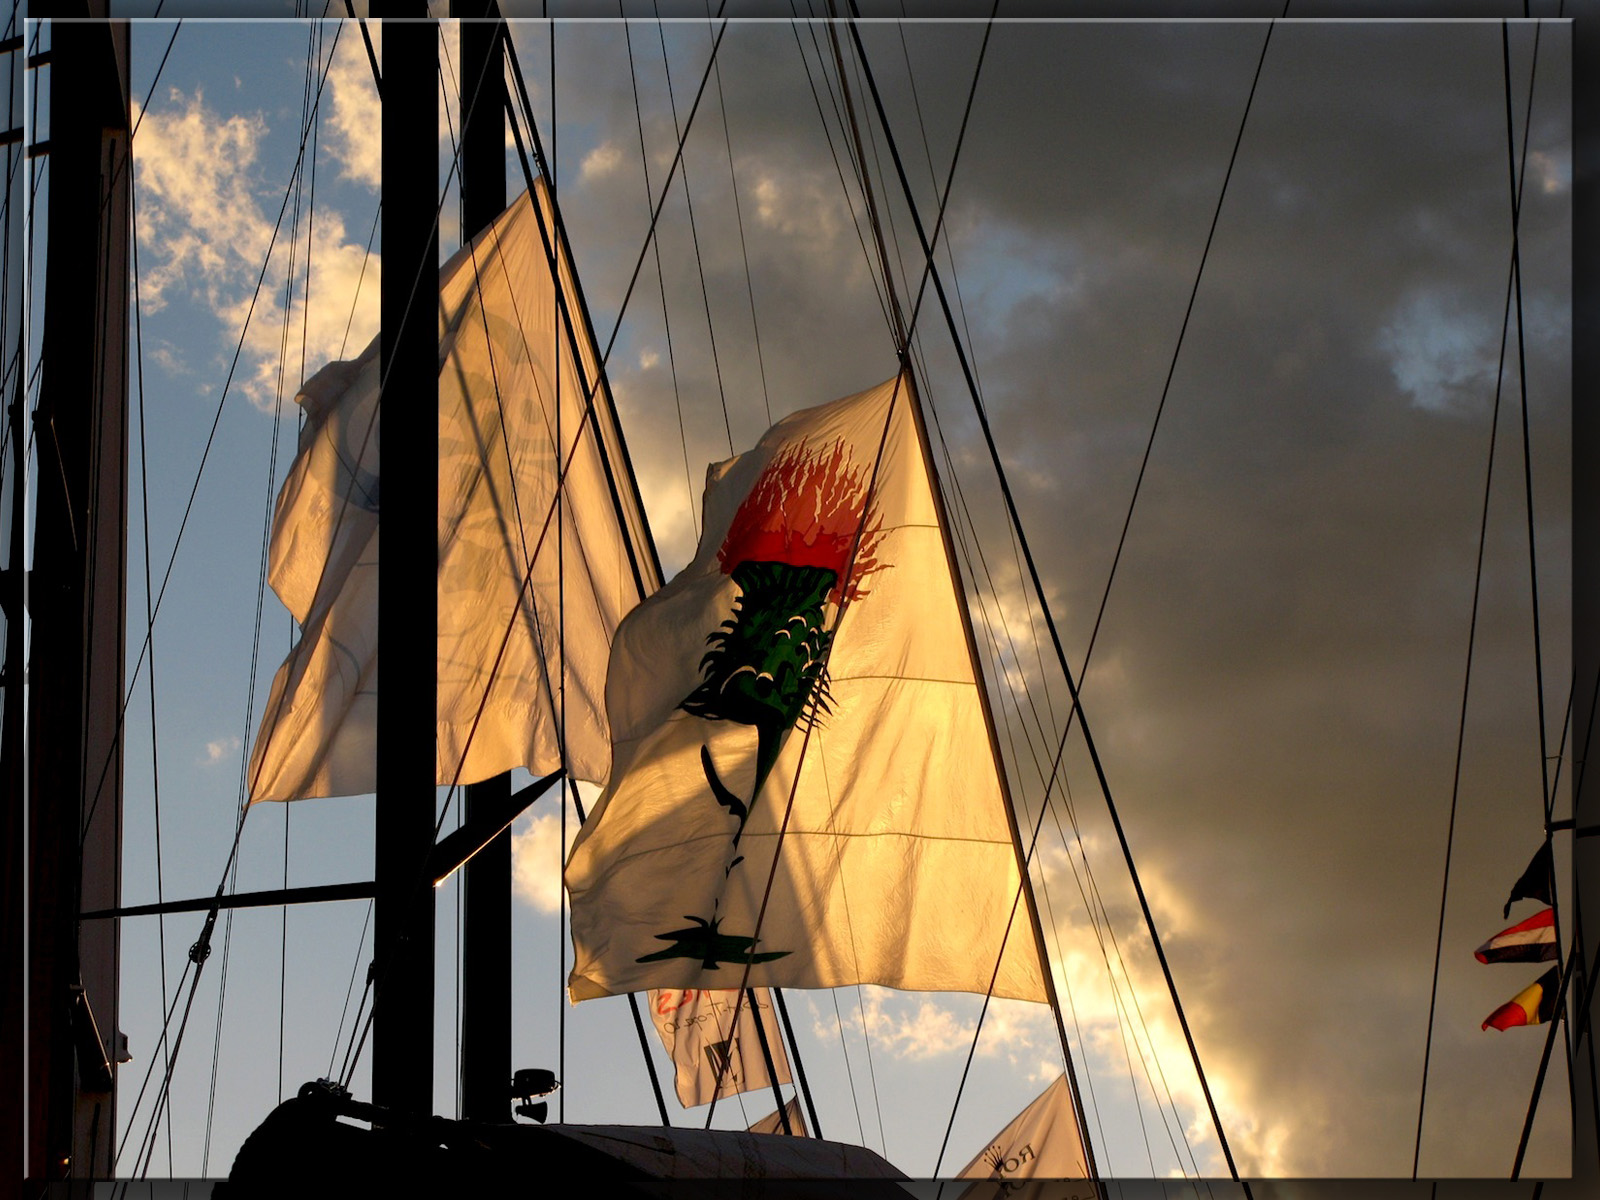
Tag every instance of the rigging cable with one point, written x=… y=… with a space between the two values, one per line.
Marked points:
x=1514 y=185
x=201 y=950
x=210 y=439
x=308 y=117
x=1102 y=916
x=827 y=131
x=1472 y=625
x=1096 y=919
x=750 y=292
x=144 y=496
x=902 y=330
x=1066 y=670
x=590 y=415
x=661 y=279
x=694 y=232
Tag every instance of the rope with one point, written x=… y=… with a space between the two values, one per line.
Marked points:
x=1455 y=787
x=206 y=451
x=661 y=279
x=694 y=231
x=1094 y=756
x=1483 y=530
x=755 y=328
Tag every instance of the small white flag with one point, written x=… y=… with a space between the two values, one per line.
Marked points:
x=697 y=1029
x=1041 y=1143
x=773 y=1121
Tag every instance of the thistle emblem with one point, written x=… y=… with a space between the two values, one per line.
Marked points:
x=800 y=530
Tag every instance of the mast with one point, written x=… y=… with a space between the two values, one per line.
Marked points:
x=76 y=597
x=408 y=611
x=486 y=889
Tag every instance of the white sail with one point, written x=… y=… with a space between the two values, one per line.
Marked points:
x=773 y=1121
x=1042 y=1142
x=513 y=425
x=698 y=1030
x=897 y=864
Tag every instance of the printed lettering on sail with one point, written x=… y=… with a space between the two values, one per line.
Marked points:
x=1042 y=1142
x=801 y=764
x=698 y=1031
x=513 y=421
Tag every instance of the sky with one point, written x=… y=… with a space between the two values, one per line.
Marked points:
x=1276 y=684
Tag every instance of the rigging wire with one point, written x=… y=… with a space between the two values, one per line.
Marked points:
x=744 y=253
x=307 y=117
x=1072 y=685
x=661 y=279
x=210 y=439
x=201 y=950
x=1472 y=626
x=998 y=657
x=1096 y=909
x=694 y=234
x=827 y=131
x=144 y=496
x=590 y=416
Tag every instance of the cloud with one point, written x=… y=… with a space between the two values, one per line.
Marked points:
x=219 y=750
x=1551 y=171
x=1440 y=354
x=918 y=1027
x=536 y=859
x=600 y=162
x=354 y=134
x=207 y=210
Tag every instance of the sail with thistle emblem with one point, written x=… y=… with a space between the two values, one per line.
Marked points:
x=802 y=784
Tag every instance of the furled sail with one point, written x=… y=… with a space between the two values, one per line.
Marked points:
x=713 y=1057
x=514 y=426
x=805 y=680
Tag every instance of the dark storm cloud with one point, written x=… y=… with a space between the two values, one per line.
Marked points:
x=1277 y=683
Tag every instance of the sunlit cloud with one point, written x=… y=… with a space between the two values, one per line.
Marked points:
x=354 y=134
x=1552 y=172
x=536 y=859
x=600 y=162
x=207 y=216
x=918 y=1027
x=220 y=750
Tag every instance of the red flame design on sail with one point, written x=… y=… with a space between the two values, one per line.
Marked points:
x=805 y=510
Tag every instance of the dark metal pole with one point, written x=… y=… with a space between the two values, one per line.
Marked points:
x=76 y=601
x=408 y=611
x=486 y=887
